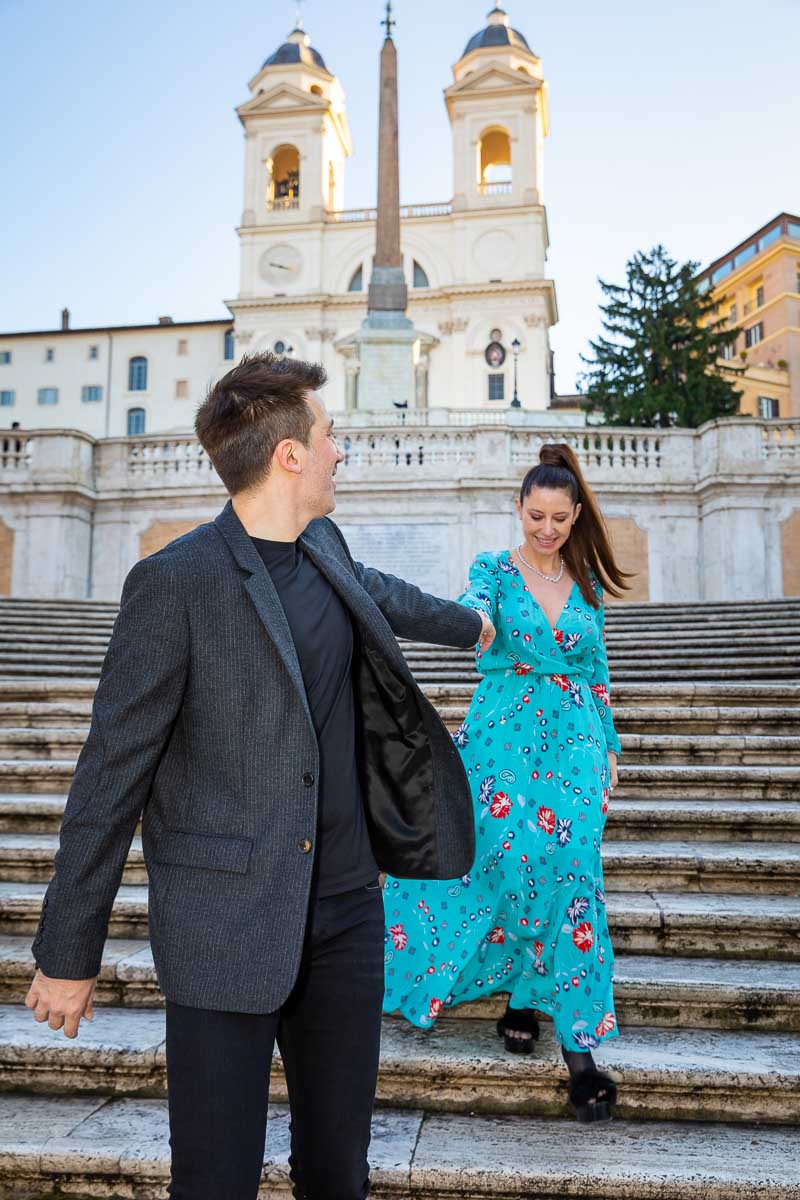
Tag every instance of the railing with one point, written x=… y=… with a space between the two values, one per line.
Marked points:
x=781 y=440
x=406 y=449
x=495 y=189
x=450 y=446
x=169 y=460
x=283 y=202
x=407 y=211
x=606 y=451
x=15 y=455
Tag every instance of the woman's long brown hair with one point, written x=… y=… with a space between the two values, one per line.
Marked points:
x=588 y=547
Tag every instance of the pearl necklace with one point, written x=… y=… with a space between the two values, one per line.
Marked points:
x=531 y=567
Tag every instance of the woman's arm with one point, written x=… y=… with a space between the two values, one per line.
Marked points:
x=481 y=591
x=600 y=686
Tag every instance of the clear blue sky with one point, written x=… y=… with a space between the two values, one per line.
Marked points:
x=122 y=155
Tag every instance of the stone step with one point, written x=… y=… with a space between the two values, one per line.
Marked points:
x=649 y=722
x=459 y=1066
x=685 y=749
x=56 y=714
x=113 y=1147
x=28 y=858
x=692 y=924
x=690 y=820
x=752 y=868
x=628 y=820
x=701 y=782
x=706 y=781
x=701 y=993
x=646 y=670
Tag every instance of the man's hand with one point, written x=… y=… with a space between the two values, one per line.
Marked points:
x=61 y=1002
x=612 y=769
x=487 y=632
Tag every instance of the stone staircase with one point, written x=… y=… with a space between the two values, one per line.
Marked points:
x=702 y=859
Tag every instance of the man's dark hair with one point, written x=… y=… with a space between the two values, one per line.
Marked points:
x=259 y=403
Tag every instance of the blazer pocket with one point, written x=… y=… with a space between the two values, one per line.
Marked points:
x=210 y=852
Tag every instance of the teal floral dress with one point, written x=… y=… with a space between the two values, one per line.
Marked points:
x=529 y=918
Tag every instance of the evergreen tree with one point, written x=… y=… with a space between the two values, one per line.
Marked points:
x=656 y=365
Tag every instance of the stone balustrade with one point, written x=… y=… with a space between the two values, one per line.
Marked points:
x=711 y=513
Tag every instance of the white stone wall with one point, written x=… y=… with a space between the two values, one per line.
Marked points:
x=421 y=496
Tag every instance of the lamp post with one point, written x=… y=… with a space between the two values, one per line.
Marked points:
x=516 y=345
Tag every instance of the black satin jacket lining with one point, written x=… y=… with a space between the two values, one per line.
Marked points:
x=396 y=763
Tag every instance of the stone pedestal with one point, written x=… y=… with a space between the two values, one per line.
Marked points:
x=388 y=352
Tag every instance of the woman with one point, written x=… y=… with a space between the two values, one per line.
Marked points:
x=540 y=750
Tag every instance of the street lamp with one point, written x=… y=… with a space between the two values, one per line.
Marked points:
x=516 y=346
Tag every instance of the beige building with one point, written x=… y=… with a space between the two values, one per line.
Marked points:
x=756 y=289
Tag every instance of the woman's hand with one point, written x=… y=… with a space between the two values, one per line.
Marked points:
x=612 y=768
x=487 y=632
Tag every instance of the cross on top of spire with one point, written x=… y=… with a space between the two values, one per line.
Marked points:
x=389 y=20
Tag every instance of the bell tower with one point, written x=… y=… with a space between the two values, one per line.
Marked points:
x=497 y=105
x=297 y=141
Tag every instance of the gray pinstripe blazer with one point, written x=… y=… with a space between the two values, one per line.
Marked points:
x=200 y=725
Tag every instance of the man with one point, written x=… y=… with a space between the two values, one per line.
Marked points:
x=255 y=710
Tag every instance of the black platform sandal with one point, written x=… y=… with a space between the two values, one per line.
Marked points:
x=591 y=1093
x=518 y=1020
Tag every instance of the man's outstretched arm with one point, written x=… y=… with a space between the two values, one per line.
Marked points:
x=137 y=700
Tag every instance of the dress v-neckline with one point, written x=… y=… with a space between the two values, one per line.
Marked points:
x=552 y=628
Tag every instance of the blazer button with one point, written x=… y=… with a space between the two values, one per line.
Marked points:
x=305 y=845
x=308 y=779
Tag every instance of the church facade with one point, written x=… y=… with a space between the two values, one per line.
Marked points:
x=475 y=264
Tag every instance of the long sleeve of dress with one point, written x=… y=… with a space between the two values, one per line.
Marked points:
x=481 y=591
x=601 y=687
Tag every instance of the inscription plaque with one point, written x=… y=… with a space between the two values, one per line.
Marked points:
x=417 y=553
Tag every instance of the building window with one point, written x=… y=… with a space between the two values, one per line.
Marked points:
x=768 y=408
x=6 y=399
x=137 y=374
x=728 y=351
x=48 y=395
x=94 y=352
x=497 y=387
x=183 y=346
x=135 y=422
x=181 y=389
x=759 y=295
x=49 y=354
x=227 y=352
x=420 y=278
x=5 y=355
x=798 y=289
x=91 y=393
x=754 y=334
x=733 y=314
x=356 y=284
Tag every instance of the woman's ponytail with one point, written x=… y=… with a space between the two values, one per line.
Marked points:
x=587 y=550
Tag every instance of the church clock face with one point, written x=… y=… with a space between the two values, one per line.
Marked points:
x=280 y=264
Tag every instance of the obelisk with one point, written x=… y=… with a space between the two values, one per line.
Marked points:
x=388 y=344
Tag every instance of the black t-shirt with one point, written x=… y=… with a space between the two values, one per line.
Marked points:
x=323 y=637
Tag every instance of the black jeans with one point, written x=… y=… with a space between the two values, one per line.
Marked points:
x=328 y=1031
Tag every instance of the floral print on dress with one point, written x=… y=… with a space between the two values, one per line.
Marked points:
x=529 y=919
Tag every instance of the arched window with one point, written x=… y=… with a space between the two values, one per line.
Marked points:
x=283 y=178
x=136 y=422
x=495 y=162
x=356 y=284
x=228 y=344
x=420 y=278
x=137 y=374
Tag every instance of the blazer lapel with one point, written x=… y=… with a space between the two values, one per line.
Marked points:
x=262 y=592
